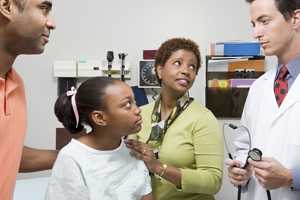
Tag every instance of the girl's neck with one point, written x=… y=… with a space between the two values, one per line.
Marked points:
x=101 y=140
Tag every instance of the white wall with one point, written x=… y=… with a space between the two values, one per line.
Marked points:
x=87 y=29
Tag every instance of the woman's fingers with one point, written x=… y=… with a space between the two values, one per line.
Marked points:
x=140 y=150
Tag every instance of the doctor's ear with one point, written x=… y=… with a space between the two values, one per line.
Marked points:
x=296 y=19
x=99 y=118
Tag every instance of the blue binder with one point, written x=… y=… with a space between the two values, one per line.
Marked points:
x=241 y=48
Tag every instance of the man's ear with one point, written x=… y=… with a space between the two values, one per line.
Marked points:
x=296 y=19
x=6 y=7
x=99 y=118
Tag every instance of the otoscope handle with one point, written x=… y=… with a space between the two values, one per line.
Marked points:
x=122 y=57
x=110 y=58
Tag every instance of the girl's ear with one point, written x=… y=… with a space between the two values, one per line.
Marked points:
x=99 y=118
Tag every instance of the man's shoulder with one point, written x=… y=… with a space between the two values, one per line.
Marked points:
x=14 y=77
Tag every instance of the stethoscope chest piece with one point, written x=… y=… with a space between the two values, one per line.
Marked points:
x=255 y=154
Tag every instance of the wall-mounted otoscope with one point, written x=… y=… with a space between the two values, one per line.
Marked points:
x=110 y=58
x=122 y=58
x=254 y=154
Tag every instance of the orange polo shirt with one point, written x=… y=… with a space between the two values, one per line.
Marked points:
x=12 y=131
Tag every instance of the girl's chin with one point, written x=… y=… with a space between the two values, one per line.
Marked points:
x=136 y=129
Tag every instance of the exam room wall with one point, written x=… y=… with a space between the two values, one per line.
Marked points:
x=87 y=29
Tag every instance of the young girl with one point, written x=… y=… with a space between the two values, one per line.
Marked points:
x=98 y=165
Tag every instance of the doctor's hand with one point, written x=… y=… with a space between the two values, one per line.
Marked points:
x=237 y=175
x=271 y=174
x=143 y=152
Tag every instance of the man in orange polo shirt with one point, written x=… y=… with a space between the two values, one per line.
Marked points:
x=25 y=28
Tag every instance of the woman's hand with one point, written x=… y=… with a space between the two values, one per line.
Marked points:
x=144 y=152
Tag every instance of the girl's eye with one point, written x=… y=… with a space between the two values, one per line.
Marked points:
x=128 y=105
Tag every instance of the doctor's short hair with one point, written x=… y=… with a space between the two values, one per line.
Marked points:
x=167 y=48
x=285 y=7
x=89 y=97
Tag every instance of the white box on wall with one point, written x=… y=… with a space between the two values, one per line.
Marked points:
x=89 y=68
x=65 y=68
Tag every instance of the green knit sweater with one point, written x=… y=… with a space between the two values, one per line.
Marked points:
x=194 y=144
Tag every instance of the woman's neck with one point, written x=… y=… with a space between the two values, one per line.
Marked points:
x=168 y=102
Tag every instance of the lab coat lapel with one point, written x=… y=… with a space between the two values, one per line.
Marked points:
x=291 y=98
x=270 y=105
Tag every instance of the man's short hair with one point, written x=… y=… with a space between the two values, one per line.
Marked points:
x=285 y=7
x=20 y=4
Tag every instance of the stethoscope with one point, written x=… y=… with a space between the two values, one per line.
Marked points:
x=254 y=154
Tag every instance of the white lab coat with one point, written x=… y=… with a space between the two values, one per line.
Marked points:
x=274 y=130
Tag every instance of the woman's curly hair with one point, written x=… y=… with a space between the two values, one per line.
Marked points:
x=166 y=49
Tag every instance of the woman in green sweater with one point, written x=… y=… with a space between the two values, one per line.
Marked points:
x=180 y=141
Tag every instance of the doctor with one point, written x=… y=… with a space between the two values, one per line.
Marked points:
x=272 y=109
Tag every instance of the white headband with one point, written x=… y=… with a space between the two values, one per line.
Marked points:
x=72 y=92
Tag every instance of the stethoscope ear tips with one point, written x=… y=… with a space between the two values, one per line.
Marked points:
x=255 y=154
